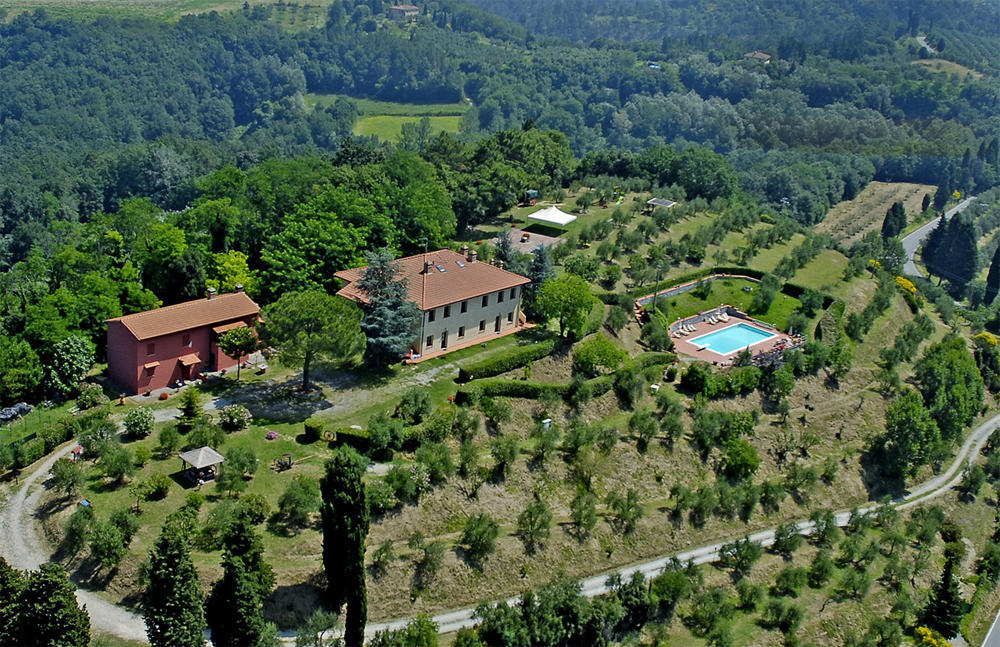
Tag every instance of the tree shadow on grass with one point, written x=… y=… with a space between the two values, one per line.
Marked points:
x=290 y=605
x=876 y=481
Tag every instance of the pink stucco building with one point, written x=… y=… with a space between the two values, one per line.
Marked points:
x=153 y=349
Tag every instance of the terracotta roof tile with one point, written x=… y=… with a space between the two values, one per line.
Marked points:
x=188 y=315
x=460 y=280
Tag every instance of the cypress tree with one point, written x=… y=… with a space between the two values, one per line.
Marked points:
x=945 y=607
x=964 y=256
x=47 y=614
x=345 y=529
x=993 y=279
x=895 y=220
x=174 y=611
x=235 y=608
x=235 y=612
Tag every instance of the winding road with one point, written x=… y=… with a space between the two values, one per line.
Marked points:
x=21 y=546
x=913 y=240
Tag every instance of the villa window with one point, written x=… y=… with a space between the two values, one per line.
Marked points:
x=510 y=316
x=430 y=340
x=513 y=293
x=465 y=307
x=430 y=315
x=150 y=349
x=486 y=300
x=500 y=296
x=447 y=311
x=482 y=326
x=186 y=341
x=461 y=331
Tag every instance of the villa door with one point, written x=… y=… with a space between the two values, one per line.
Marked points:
x=496 y=324
x=444 y=340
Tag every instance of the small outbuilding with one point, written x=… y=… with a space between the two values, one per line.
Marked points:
x=201 y=463
x=653 y=203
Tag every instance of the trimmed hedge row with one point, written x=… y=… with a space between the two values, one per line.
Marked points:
x=505 y=362
x=36 y=446
x=489 y=387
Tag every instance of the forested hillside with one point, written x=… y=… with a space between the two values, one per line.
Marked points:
x=94 y=111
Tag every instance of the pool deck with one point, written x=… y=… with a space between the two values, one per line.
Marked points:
x=684 y=344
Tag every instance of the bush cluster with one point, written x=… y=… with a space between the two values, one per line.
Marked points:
x=235 y=417
x=508 y=361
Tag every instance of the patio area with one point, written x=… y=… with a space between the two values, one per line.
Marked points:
x=687 y=332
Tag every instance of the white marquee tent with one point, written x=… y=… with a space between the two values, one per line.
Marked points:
x=552 y=216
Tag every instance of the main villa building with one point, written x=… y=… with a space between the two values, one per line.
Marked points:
x=462 y=301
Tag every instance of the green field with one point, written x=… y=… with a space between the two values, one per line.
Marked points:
x=731 y=292
x=388 y=127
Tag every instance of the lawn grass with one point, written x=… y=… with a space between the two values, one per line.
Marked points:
x=823 y=272
x=369 y=107
x=36 y=420
x=389 y=127
x=730 y=291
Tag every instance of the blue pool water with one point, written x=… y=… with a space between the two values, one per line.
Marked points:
x=732 y=339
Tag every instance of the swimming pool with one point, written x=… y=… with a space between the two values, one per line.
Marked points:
x=733 y=338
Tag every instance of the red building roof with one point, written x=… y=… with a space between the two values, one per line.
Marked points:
x=450 y=277
x=190 y=314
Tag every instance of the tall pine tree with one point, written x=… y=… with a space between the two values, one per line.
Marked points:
x=993 y=279
x=345 y=529
x=945 y=607
x=174 y=611
x=235 y=608
x=389 y=318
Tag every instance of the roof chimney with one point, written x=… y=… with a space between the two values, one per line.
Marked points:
x=210 y=293
x=500 y=264
x=464 y=250
x=473 y=256
x=239 y=287
x=427 y=267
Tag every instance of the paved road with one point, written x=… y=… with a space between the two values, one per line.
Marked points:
x=914 y=239
x=20 y=545
x=993 y=635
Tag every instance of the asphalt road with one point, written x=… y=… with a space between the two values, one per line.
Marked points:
x=20 y=545
x=913 y=241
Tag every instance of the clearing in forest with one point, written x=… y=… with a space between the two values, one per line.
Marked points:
x=850 y=220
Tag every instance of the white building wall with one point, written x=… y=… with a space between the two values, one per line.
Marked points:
x=468 y=323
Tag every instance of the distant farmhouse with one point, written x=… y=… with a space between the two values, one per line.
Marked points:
x=462 y=300
x=402 y=12
x=760 y=57
x=154 y=349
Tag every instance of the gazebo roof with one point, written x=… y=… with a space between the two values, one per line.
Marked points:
x=552 y=215
x=202 y=457
x=661 y=202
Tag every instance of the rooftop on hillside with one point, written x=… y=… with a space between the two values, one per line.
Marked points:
x=438 y=278
x=209 y=311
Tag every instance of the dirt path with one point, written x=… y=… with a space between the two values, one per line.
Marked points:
x=22 y=548
x=20 y=545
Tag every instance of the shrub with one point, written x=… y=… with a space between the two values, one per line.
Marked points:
x=479 y=536
x=493 y=387
x=385 y=435
x=255 y=508
x=414 y=405
x=436 y=457
x=299 y=500
x=313 y=429
x=380 y=497
x=76 y=531
x=356 y=438
x=408 y=482
x=159 y=486
x=29 y=452
x=169 y=440
x=508 y=361
x=235 y=417
x=139 y=422
x=740 y=459
x=142 y=455
x=597 y=355
x=91 y=395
